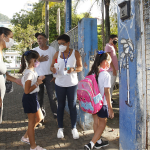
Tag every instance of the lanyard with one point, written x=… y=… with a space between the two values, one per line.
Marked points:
x=66 y=59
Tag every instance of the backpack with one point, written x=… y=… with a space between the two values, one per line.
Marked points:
x=88 y=94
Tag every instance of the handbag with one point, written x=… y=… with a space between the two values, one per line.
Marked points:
x=9 y=86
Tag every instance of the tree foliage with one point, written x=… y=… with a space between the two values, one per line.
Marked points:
x=4 y=18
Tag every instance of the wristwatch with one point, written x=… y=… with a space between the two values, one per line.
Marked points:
x=74 y=68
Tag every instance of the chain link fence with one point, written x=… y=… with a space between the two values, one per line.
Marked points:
x=73 y=33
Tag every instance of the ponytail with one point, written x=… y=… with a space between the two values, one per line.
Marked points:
x=23 y=64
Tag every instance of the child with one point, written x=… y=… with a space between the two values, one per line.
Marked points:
x=31 y=81
x=102 y=61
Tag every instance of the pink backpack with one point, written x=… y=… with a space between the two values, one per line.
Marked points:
x=88 y=94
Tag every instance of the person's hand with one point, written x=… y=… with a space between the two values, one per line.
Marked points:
x=114 y=72
x=53 y=80
x=40 y=78
x=18 y=81
x=43 y=58
x=70 y=70
x=0 y=102
x=111 y=113
x=54 y=70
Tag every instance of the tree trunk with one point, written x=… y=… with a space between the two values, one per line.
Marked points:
x=107 y=21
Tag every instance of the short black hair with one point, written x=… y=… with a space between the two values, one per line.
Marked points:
x=64 y=37
x=112 y=36
x=37 y=34
x=4 y=30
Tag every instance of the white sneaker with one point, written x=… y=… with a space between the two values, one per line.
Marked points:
x=75 y=133
x=38 y=148
x=60 y=133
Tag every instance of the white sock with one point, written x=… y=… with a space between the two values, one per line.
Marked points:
x=92 y=144
x=99 y=141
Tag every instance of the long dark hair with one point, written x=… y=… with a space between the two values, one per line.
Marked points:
x=96 y=65
x=4 y=30
x=27 y=56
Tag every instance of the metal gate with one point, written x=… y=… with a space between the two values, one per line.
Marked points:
x=146 y=24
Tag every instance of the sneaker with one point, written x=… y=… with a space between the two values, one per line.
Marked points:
x=25 y=140
x=55 y=116
x=60 y=133
x=103 y=144
x=38 y=148
x=75 y=133
x=87 y=146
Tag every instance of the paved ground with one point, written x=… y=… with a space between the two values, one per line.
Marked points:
x=15 y=124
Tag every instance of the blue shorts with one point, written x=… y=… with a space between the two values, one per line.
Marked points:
x=30 y=103
x=103 y=113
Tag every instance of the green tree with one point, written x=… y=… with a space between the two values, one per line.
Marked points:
x=4 y=18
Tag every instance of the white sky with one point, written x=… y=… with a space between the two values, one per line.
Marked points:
x=10 y=7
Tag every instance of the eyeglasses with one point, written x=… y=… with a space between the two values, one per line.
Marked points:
x=61 y=44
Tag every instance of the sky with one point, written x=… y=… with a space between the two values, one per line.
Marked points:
x=10 y=7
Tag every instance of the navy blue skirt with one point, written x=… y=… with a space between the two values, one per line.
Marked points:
x=103 y=113
x=30 y=103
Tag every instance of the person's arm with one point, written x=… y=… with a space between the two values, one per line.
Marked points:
x=108 y=99
x=13 y=79
x=112 y=66
x=0 y=102
x=78 y=67
x=53 y=62
x=2 y=68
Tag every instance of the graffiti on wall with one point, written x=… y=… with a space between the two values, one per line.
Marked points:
x=128 y=49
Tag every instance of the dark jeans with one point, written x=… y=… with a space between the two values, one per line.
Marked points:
x=71 y=93
x=50 y=87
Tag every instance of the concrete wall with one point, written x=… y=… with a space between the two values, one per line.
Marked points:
x=131 y=79
x=87 y=45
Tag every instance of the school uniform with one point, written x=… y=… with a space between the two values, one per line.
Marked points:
x=30 y=101
x=104 y=81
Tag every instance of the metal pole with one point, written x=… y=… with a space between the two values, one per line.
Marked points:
x=47 y=20
x=103 y=24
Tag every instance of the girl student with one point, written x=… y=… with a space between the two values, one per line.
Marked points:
x=100 y=67
x=31 y=82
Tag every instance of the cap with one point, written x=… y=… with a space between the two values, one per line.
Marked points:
x=37 y=34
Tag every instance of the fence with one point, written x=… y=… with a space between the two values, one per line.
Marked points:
x=73 y=33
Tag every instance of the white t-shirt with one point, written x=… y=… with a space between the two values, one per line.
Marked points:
x=30 y=75
x=44 y=67
x=104 y=81
x=70 y=79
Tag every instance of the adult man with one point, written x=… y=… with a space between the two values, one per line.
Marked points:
x=46 y=55
x=111 y=49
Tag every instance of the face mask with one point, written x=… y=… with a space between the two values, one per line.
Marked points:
x=114 y=42
x=10 y=43
x=36 y=64
x=62 y=48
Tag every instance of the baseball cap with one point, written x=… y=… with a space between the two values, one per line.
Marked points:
x=37 y=34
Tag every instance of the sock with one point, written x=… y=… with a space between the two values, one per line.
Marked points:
x=92 y=144
x=99 y=141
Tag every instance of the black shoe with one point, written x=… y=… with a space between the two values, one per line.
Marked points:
x=55 y=116
x=103 y=144
x=87 y=146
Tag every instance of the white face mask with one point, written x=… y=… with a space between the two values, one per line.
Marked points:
x=62 y=48
x=10 y=43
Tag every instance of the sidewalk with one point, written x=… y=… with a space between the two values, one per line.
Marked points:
x=15 y=124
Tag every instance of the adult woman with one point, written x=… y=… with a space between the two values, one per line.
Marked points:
x=70 y=63
x=6 y=41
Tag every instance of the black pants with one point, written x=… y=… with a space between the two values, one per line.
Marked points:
x=50 y=87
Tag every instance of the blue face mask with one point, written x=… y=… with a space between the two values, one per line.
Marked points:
x=36 y=64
